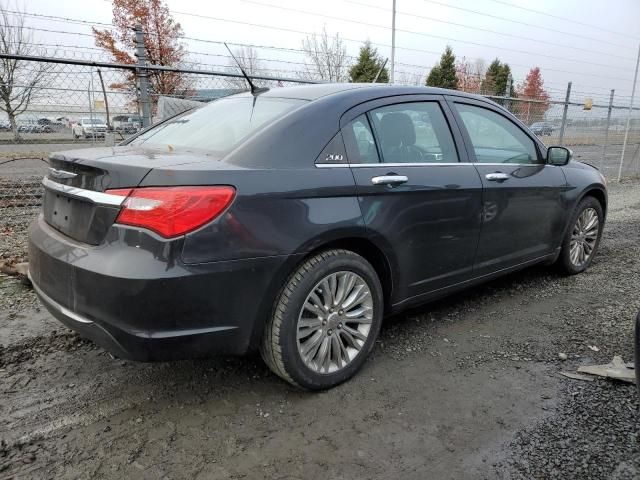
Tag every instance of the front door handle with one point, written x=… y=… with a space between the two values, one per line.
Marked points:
x=496 y=177
x=390 y=180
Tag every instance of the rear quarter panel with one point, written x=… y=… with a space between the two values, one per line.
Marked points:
x=275 y=211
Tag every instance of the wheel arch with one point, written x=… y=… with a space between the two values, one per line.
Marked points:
x=598 y=193
x=362 y=245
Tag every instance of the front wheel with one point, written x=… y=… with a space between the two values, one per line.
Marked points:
x=583 y=237
x=325 y=321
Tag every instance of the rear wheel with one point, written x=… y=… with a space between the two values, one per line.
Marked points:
x=583 y=237
x=325 y=321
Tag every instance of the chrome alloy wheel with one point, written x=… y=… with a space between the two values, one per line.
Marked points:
x=584 y=237
x=334 y=322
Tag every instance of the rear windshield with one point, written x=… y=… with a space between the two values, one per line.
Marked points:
x=219 y=126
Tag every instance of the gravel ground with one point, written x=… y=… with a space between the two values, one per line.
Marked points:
x=467 y=387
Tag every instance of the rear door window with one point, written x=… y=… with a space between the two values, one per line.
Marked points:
x=415 y=132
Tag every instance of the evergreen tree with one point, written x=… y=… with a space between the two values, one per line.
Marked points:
x=496 y=78
x=368 y=65
x=443 y=74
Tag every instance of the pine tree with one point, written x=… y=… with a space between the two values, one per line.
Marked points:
x=496 y=78
x=443 y=74
x=368 y=65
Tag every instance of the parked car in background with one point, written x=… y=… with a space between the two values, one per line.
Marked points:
x=89 y=127
x=542 y=128
x=292 y=221
x=126 y=124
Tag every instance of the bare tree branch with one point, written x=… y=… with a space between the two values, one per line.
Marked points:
x=327 y=58
x=20 y=80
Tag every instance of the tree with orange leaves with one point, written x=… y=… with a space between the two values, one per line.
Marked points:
x=469 y=76
x=161 y=41
x=532 y=89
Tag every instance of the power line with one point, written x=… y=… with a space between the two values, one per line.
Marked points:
x=307 y=33
x=55 y=18
x=572 y=20
x=48 y=30
x=572 y=34
x=481 y=30
x=595 y=75
x=537 y=54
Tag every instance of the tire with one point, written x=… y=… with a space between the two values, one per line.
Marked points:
x=572 y=266
x=282 y=349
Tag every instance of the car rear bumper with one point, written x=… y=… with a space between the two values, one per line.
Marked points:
x=149 y=307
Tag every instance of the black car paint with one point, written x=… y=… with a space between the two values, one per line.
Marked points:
x=212 y=290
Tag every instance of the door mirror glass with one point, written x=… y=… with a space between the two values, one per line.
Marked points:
x=558 y=155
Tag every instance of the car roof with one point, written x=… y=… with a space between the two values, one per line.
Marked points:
x=374 y=90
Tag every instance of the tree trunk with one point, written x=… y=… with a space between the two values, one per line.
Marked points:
x=14 y=125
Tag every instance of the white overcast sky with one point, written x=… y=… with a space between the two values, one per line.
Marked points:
x=593 y=43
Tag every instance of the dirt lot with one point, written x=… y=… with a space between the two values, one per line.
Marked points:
x=468 y=387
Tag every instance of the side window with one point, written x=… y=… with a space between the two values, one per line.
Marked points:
x=414 y=133
x=359 y=142
x=495 y=138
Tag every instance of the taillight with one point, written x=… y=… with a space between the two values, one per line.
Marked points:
x=172 y=211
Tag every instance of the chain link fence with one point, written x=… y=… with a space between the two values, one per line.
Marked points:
x=82 y=103
x=79 y=104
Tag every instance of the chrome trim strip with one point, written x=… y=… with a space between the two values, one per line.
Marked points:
x=55 y=173
x=90 y=195
x=55 y=305
x=426 y=164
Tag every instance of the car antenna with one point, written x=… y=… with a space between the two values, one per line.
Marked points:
x=375 y=80
x=254 y=90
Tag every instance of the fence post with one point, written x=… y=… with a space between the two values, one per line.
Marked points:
x=142 y=76
x=606 y=131
x=626 y=131
x=564 y=113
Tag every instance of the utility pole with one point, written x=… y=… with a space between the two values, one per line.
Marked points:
x=143 y=80
x=626 y=132
x=393 y=42
x=564 y=113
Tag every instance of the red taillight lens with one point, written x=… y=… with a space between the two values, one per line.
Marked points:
x=172 y=211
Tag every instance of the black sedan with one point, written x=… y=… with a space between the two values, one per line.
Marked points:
x=292 y=221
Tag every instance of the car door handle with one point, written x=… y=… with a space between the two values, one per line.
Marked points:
x=390 y=180
x=496 y=177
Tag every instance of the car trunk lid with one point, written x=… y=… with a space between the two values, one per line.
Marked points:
x=74 y=201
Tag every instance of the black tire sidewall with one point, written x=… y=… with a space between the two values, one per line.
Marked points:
x=294 y=365
x=565 y=254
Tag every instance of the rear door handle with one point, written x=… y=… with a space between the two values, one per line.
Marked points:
x=390 y=180
x=496 y=177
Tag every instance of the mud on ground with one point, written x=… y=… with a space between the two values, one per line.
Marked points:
x=467 y=387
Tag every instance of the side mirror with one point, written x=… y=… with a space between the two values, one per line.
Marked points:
x=558 y=156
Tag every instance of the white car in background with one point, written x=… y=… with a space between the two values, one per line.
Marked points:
x=89 y=127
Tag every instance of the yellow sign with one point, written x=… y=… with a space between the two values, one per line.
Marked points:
x=588 y=103
x=98 y=104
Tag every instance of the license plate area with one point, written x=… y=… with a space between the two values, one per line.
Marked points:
x=69 y=215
